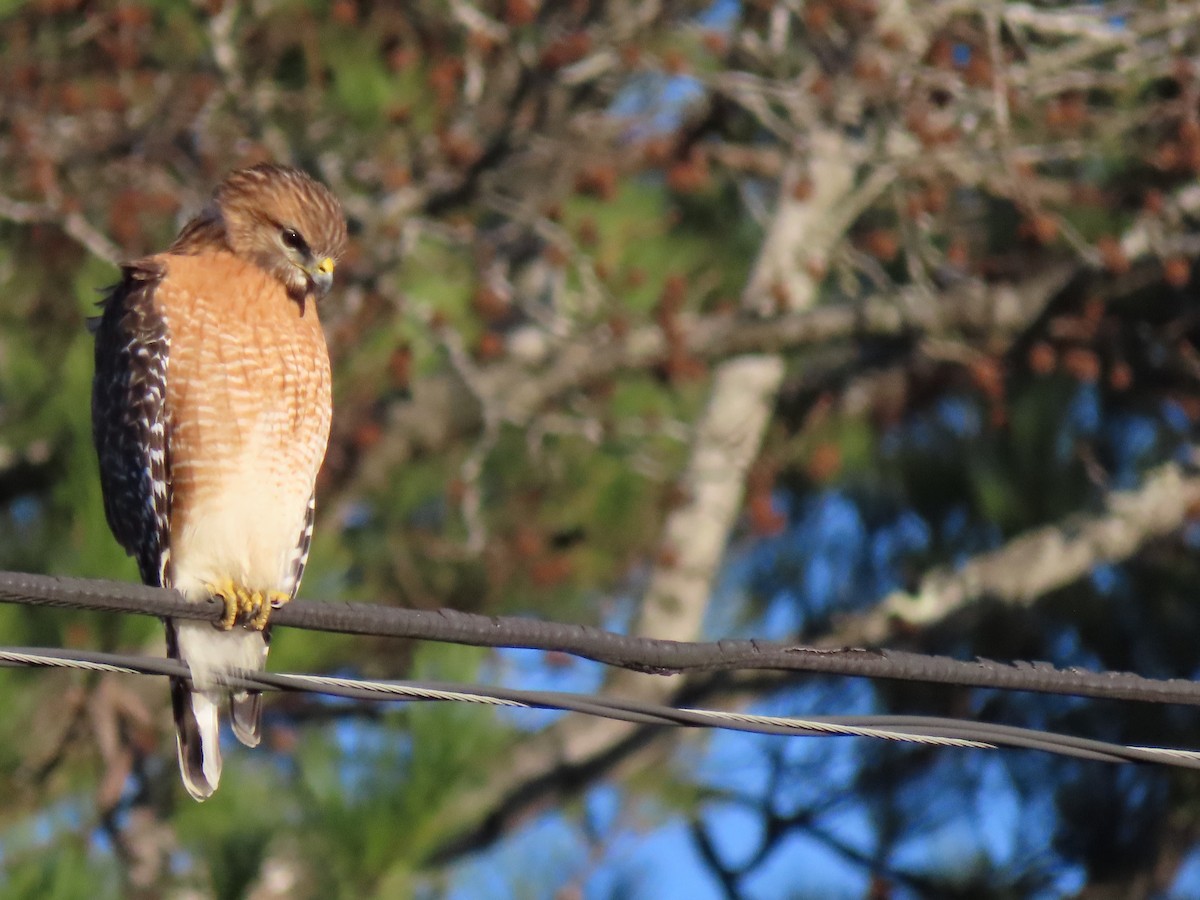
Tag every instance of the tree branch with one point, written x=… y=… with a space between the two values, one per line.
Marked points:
x=1037 y=562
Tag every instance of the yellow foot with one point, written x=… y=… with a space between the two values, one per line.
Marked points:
x=269 y=601
x=227 y=593
x=254 y=610
x=250 y=608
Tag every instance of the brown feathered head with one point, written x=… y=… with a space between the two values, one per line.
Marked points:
x=278 y=218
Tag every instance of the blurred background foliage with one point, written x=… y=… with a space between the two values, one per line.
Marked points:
x=536 y=190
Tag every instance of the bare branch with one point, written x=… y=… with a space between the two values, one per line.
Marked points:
x=1039 y=561
x=73 y=224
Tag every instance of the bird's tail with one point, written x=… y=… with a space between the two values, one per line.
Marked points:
x=245 y=714
x=245 y=707
x=197 y=734
x=197 y=738
x=197 y=706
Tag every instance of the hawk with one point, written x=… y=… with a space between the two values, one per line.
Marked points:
x=210 y=411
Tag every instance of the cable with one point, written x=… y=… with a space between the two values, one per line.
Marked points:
x=929 y=730
x=638 y=654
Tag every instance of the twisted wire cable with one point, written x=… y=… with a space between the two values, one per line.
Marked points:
x=929 y=730
x=638 y=654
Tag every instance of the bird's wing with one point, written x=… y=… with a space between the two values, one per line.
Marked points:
x=129 y=418
x=303 y=545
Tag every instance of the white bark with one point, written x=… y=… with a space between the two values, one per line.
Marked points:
x=728 y=437
x=1039 y=561
x=730 y=432
x=727 y=440
x=803 y=232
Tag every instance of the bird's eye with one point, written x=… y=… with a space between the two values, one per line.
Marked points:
x=293 y=241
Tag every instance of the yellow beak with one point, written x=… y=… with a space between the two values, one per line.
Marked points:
x=321 y=276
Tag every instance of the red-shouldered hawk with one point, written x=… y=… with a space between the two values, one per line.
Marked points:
x=210 y=411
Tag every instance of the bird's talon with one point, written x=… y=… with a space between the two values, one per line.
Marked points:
x=245 y=602
x=228 y=595
x=260 y=611
x=249 y=608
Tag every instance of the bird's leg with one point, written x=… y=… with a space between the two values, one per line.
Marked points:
x=250 y=608
x=267 y=602
x=230 y=596
x=255 y=610
x=244 y=606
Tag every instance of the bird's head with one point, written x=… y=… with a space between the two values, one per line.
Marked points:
x=284 y=222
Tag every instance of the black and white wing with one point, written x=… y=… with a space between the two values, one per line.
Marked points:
x=129 y=419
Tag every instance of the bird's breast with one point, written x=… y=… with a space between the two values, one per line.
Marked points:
x=248 y=400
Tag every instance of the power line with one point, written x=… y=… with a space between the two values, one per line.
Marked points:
x=638 y=654
x=929 y=730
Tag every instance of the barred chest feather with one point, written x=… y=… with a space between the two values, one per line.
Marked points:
x=248 y=395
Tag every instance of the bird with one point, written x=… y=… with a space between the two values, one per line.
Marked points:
x=211 y=409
